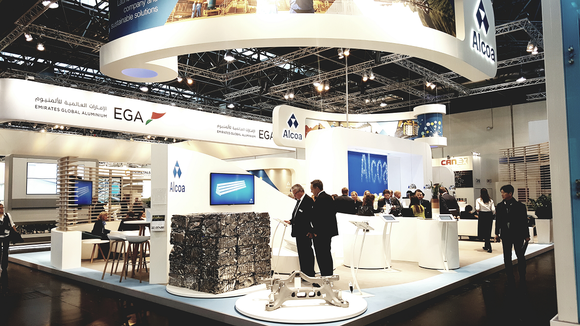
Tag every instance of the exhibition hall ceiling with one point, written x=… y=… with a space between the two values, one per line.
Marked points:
x=261 y=78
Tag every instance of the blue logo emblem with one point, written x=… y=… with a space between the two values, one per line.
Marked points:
x=481 y=16
x=293 y=121
x=176 y=170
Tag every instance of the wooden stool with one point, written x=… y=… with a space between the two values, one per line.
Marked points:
x=96 y=243
x=115 y=242
x=136 y=248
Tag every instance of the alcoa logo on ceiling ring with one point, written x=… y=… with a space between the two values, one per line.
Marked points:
x=173 y=187
x=292 y=123
x=477 y=43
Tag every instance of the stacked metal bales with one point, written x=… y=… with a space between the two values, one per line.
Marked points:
x=219 y=252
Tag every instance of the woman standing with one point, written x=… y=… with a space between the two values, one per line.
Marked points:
x=486 y=211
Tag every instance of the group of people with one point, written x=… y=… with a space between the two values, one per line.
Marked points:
x=314 y=224
x=314 y=221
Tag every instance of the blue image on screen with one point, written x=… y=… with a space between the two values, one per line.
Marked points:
x=367 y=171
x=84 y=192
x=231 y=189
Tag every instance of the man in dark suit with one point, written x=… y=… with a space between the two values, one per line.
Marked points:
x=302 y=229
x=447 y=203
x=325 y=227
x=345 y=204
x=511 y=226
x=393 y=202
x=427 y=204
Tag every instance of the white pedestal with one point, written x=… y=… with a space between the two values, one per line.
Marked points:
x=65 y=249
x=438 y=246
x=545 y=230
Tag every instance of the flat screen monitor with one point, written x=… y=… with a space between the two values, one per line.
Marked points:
x=84 y=192
x=231 y=189
x=446 y=217
x=40 y=178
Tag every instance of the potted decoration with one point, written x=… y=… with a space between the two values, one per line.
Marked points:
x=542 y=206
x=435 y=194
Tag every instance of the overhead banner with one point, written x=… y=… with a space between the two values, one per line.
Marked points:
x=22 y=100
x=146 y=36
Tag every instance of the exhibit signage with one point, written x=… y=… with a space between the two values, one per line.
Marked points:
x=22 y=100
x=157 y=223
x=367 y=171
x=148 y=35
x=291 y=125
x=459 y=163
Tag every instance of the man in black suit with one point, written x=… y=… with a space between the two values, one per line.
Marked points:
x=511 y=226
x=345 y=204
x=427 y=204
x=393 y=202
x=447 y=203
x=325 y=227
x=302 y=229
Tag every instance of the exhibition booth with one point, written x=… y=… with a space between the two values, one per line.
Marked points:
x=218 y=196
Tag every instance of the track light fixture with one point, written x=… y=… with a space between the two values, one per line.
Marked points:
x=229 y=57
x=372 y=76
x=189 y=81
x=530 y=46
x=327 y=86
x=144 y=89
x=346 y=52
x=28 y=37
x=40 y=47
x=340 y=53
x=50 y=5
x=365 y=77
x=430 y=85
x=231 y=106
x=179 y=79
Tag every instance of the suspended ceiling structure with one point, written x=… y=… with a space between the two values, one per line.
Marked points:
x=259 y=79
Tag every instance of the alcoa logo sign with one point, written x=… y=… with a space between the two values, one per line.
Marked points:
x=173 y=186
x=292 y=124
x=483 y=25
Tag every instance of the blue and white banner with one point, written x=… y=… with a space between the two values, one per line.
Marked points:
x=367 y=171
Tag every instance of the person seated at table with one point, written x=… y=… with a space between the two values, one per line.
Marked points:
x=367 y=208
x=357 y=201
x=129 y=227
x=417 y=208
x=468 y=214
x=100 y=230
x=138 y=207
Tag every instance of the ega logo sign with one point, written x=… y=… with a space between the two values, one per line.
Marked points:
x=292 y=124
x=128 y=115
x=483 y=25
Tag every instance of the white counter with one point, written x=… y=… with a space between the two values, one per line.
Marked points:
x=411 y=239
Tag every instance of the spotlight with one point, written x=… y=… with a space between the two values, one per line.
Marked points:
x=433 y=86
x=320 y=87
x=165 y=138
x=521 y=79
x=28 y=37
x=383 y=104
x=174 y=140
x=34 y=125
x=286 y=96
x=53 y=5
x=55 y=127
x=535 y=50
x=367 y=100
x=144 y=89
x=231 y=105
x=316 y=83
x=229 y=56
x=340 y=54
x=365 y=77
x=148 y=137
x=179 y=79
x=346 y=52
x=61 y=127
x=40 y=47
x=291 y=95
x=372 y=76
x=327 y=86
x=189 y=81
x=530 y=47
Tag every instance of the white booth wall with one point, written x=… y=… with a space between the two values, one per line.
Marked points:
x=327 y=157
x=196 y=168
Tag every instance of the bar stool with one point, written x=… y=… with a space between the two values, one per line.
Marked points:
x=136 y=248
x=96 y=243
x=115 y=241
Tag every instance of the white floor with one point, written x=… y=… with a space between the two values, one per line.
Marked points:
x=385 y=300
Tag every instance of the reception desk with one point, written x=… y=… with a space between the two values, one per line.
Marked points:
x=431 y=243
